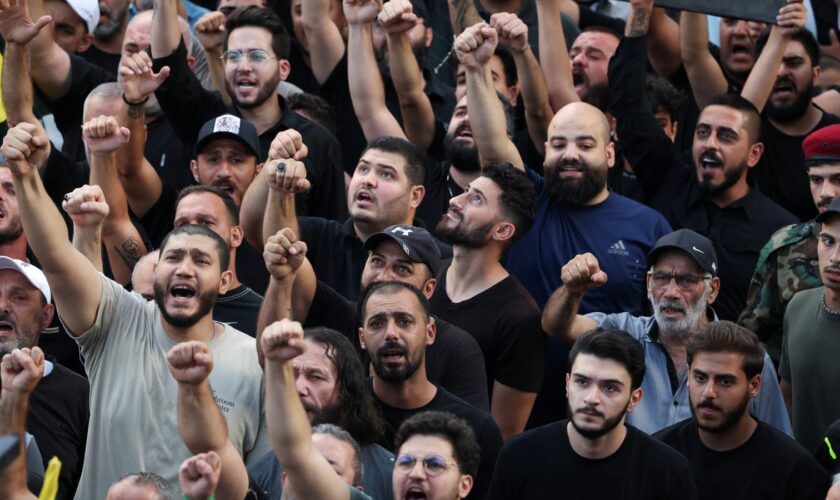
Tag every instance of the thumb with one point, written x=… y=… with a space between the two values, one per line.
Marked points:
x=42 y=21
x=599 y=278
x=301 y=153
x=125 y=132
x=162 y=74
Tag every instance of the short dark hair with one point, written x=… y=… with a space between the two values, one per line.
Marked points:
x=616 y=345
x=725 y=336
x=342 y=435
x=315 y=107
x=662 y=93
x=195 y=229
x=390 y=288
x=415 y=158
x=230 y=205
x=447 y=426
x=735 y=101
x=599 y=28
x=508 y=64
x=165 y=489
x=805 y=37
x=260 y=17
x=518 y=198
x=356 y=411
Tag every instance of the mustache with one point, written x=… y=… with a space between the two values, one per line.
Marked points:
x=8 y=318
x=709 y=405
x=711 y=155
x=392 y=345
x=671 y=304
x=590 y=409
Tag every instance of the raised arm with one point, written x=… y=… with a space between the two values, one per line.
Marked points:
x=560 y=316
x=326 y=46
x=366 y=88
x=21 y=370
x=104 y=136
x=307 y=471
x=462 y=14
x=201 y=423
x=513 y=33
x=87 y=221
x=474 y=48
x=554 y=56
x=16 y=81
x=166 y=35
x=704 y=73
x=210 y=31
x=73 y=279
x=418 y=117
x=291 y=288
x=759 y=85
x=140 y=181
x=663 y=42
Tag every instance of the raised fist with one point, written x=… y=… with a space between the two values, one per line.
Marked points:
x=397 y=17
x=26 y=148
x=287 y=176
x=288 y=144
x=284 y=254
x=22 y=369
x=190 y=362
x=282 y=341
x=475 y=46
x=210 y=30
x=199 y=475
x=103 y=134
x=582 y=273
x=792 y=18
x=86 y=206
x=513 y=32
x=361 y=11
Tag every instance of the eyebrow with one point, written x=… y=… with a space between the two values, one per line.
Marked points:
x=600 y=381
x=379 y=165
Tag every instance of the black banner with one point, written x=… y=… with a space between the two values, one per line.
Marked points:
x=753 y=10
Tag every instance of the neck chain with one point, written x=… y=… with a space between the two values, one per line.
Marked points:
x=831 y=312
x=213 y=336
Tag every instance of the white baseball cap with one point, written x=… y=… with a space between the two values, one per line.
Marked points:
x=88 y=10
x=32 y=273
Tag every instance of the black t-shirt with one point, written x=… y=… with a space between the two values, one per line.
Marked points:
x=239 y=308
x=58 y=418
x=542 y=464
x=826 y=452
x=168 y=154
x=105 y=60
x=454 y=361
x=781 y=173
x=505 y=321
x=769 y=465
x=336 y=91
x=486 y=431
x=160 y=218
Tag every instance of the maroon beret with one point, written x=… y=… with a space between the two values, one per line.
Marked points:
x=823 y=144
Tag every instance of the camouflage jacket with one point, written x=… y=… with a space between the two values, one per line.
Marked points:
x=786 y=264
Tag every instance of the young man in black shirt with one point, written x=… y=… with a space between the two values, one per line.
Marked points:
x=732 y=454
x=594 y=454
x=396 y=328
x=479 y=295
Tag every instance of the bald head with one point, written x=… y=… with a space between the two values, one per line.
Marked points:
x=583 y=117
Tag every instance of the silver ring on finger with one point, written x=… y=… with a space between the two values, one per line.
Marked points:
x=69 y=196
x=281 y=167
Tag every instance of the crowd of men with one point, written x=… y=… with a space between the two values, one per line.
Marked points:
x=502 y=249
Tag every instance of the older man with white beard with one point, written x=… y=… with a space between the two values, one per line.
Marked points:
x=682 y=284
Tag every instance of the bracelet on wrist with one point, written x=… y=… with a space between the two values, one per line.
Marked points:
x=140 y=103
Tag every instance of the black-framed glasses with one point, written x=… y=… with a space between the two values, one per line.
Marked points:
x=255 y=56
x=685 y=282
x=434 y=465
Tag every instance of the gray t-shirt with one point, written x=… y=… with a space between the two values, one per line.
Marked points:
x=133 y=397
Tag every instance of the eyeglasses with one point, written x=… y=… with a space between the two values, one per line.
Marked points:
x=685 y=282
x=255 y=56
x=434 y=465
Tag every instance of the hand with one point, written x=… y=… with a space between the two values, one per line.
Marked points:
x=210 y=30
x=288 y=144
x=190 y=362
x=103 y=134
x=284 y=254
x=513 y=32
x=26 y=148
x=22 y=369
x=833 y=48
x=792 y=18
x=582 y=273
x=199 y=475
x=361 y=11
x=287 y=176
x=137 y=77
x=86 y=206
x=397 y=17
x=283 y=341
x=15 y=24
x=833 y=493
x=475 y=46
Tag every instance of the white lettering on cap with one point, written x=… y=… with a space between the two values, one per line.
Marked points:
x=227 y=123
x=402 y=230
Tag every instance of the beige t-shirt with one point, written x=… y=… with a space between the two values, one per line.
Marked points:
x=134 y=399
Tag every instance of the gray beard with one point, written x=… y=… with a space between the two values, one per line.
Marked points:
x=680 y=330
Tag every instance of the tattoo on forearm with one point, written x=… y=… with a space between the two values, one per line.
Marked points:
x=463 y=14
x=135 y=111
x=639 y=23
x=131 y=251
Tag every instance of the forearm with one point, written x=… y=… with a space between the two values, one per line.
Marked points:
x=538 y=112
x=554 y=56
x=366 y=89
x=17 y=85
x=462 y=15
x=253 y=208
x=288 y=424
x=88 y=242
x=202 y=426
x=13 y=410
x=759 y=84
x=704 y=73
x=279 y=213
x=276 y=305
x=417 y=113
x=139 y=182
x=664 y=43
x=165 y=32
x=124 y=247
x=511 y=409
x=560 y=313
x=326 y=46
x=216 y=69
x=487 y=119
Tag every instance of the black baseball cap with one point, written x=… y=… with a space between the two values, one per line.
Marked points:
x=416 y=242
x=694 y=244
x=833 y=209
x=230 y=127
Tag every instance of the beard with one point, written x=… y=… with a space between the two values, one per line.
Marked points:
x=461 y=157
x=791 y=111
x=110 y=28
x=593 y=434
x=206 y=301
x=731 y=177
x=12 y=232
x=729 y=418
x=462 y=236
x=24 y=336
x=398 y=373
x=679 y=329
x=268 y=90
x=326 y=415
x=578 y=191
